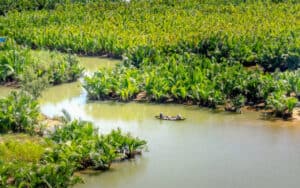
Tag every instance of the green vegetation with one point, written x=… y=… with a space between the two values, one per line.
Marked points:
x=181 y=51
x=13 y=59
x=26 y=148
x=183 y=78
x=19 y=64
x=51 y=162
x=209 y=53
x=263 y=32
x=22 y=174
x=281 y=104
x=32 y=161
x=22 y=5
x=80 y=143
x=18 y=113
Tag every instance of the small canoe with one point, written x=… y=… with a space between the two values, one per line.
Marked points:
x=170 y=118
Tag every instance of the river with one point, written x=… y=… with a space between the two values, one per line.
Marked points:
x=209 y=149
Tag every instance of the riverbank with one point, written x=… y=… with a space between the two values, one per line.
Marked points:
x=51 y=141
x=207 y=143
x=92 y=64
x=203 y=127
x=40 y=161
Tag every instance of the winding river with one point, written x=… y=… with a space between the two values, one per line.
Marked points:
x=209 y=149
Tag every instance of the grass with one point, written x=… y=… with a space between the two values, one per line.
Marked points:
x=21 y=147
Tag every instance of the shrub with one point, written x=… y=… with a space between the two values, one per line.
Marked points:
x=79 y=142
x=18 y=112
x=281 y=104
x=74 y=146
x=190 y=78
x=12 y=63
x=20 y=174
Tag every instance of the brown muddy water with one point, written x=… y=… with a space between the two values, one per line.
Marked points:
x=208 y=149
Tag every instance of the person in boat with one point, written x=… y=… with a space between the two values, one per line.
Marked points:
x=179 y=117
x=161 y=116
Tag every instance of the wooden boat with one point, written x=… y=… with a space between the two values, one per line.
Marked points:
x=170 y=118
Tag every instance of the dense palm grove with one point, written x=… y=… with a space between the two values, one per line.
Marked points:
x=180 y=51
x=250 y=33
x=210 y=53
x=189 y=78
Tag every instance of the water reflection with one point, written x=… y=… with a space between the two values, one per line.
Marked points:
x=91 y=64
x=116 y=175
